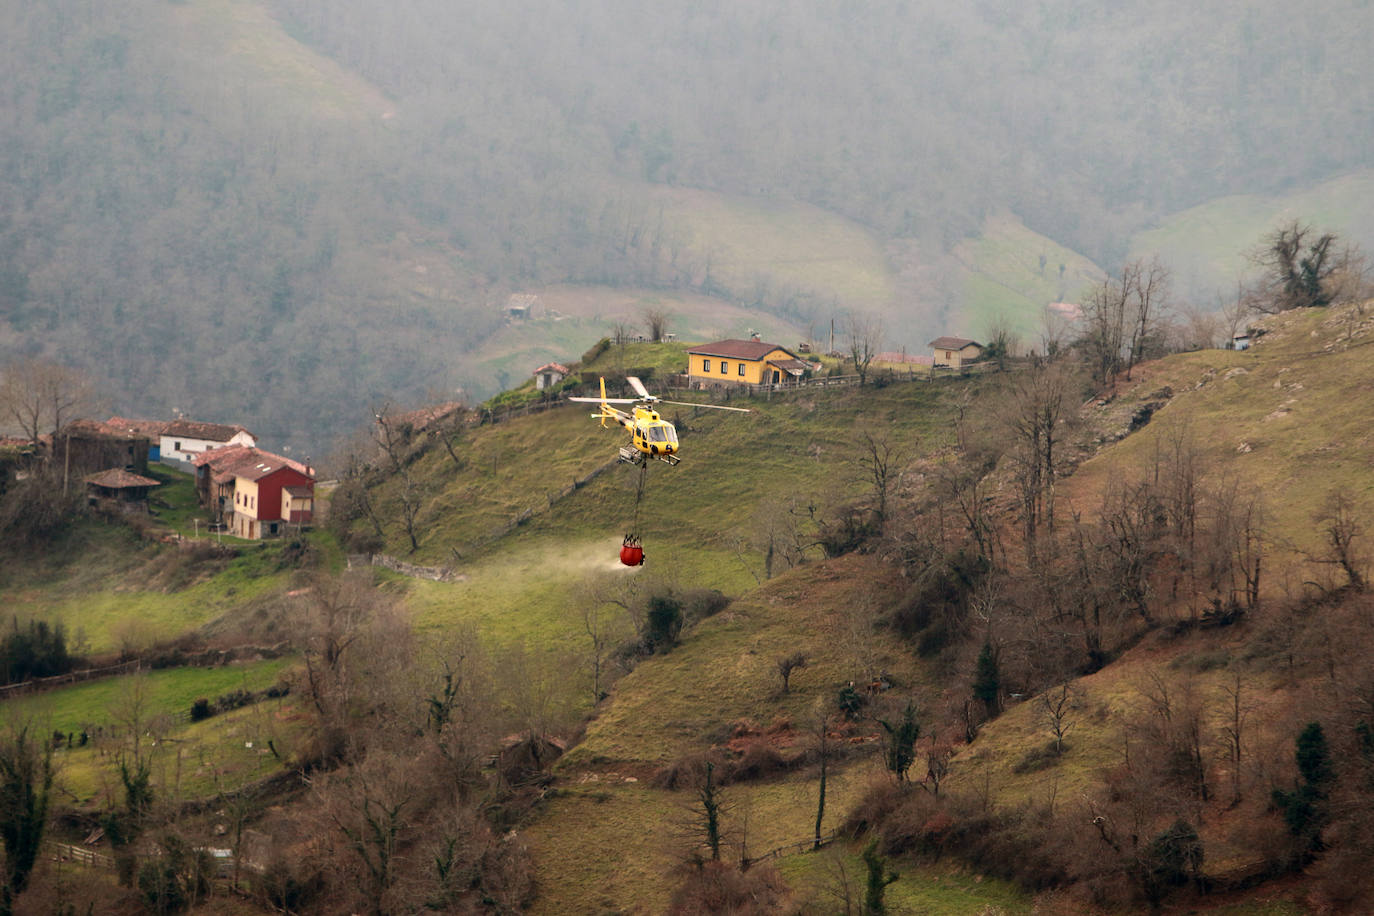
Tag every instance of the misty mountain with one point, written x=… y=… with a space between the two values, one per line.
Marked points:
x=278 y=212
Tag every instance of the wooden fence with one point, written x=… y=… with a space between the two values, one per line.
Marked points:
x=65 y=852
x=71 y=677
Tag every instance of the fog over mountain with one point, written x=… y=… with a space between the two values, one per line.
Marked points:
x=280 y=211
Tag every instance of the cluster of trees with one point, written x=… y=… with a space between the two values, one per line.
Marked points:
x=1022 y=597
x=34 y=649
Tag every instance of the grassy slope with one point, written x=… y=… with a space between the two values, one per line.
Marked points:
x=199 y=753
x=1295 y=402
x=789 y=244
x=241 y=42
x=1288 y=419
x=1003 y=279
x=697 y=520
x=1206 y=246
x=685 y=702
x=127 y=595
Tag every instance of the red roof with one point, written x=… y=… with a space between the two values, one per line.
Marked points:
x=120 y=479
x=242 y=460
x=150 y=428
x=210 y=432
x=556 y=367
x=739 y=349
x=95 y=428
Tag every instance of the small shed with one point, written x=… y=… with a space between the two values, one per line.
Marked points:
x=955 y=352
x=119 y=487
x=521 y=305
x=1241 y=341
x=548 y=375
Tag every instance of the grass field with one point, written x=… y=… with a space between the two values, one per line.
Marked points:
x=1004 y=280
x=690 y=699
x=1207 y=247
x=1286 y=418
x=162 y=701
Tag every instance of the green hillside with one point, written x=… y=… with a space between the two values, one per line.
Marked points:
x=534 y=574
x=1207 y=247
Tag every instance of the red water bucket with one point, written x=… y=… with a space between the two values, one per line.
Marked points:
x=632 y=555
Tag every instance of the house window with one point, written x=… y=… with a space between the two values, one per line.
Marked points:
x=741 y=368
x=724 y=367
x=705 y=365
x=176 y=447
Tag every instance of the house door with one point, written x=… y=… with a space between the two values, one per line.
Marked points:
x=777 y=376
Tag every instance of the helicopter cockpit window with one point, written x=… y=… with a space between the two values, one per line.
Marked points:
x=659 y=434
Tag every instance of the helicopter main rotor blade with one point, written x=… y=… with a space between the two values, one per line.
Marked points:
x=707 y=406
x=638 y=386
x=607 y=401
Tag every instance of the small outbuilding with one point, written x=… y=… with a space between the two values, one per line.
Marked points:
x=118 y=487
x=549 y=375
x=955 y=352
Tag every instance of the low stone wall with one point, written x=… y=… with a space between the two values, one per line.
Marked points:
x=433 y=573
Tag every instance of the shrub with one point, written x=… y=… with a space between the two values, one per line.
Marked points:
x=759 y=760
x=663 y=622
x=234 y=699
x=1039 y=758
x=201 y=710
x=851 y=702
x=700 y=603
x=719 y=888
x=598 y=348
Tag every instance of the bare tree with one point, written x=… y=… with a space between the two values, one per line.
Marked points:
x=787 y=664
x=1233 y=728
x=1056 y=707
x=597 y=624
x=876 y=460
x=39 y=396
x=865 y=337
x=1123 y=319
x=1234 y=311
x=370 y=805
x=1343 y=534
x=1149 y=287
x=1033 y=413
x=655 y=322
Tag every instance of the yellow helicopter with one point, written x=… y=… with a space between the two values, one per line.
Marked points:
x=651 y=436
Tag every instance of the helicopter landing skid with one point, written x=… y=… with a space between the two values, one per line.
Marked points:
x=631 y=455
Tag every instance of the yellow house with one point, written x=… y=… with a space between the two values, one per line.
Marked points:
x=955 y=352
x=743 y=362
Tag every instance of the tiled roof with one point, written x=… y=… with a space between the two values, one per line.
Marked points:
x=218 y=458
x=738 y=349
x=120 y=479
x=245 y=461
x=210 y=432
x=150 y=428
x=96 y=429
x=794 y=366
x=299 y=491
x=556 y=367
x=952 y=343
